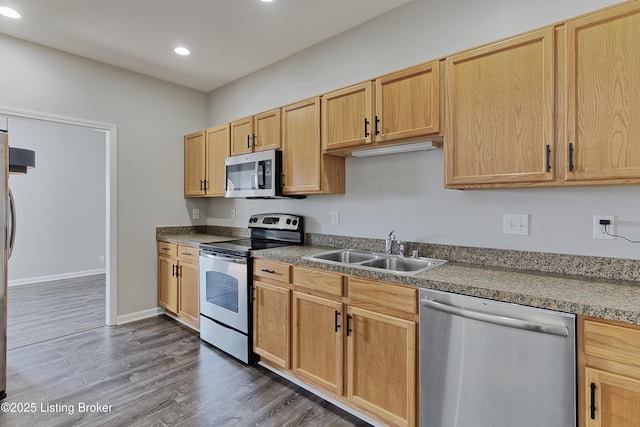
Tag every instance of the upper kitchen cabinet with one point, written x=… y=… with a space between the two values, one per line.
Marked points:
x=603 y=96
x=204 y=154
x=256 y=133
x=194 y=164
x=400 y=107
x=500 y=113
x=305 y=169
x=217 y=149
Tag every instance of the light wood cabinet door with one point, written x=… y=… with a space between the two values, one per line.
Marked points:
x=217 y=149
x=301 y=155
x=500 y=112
x=194 y=164
x=408 y=103
x=614 y=400
x=317 y=341
x=381 y=360
x=167 y=284
x=189 y=294
x=268 y=130
x=271 y=320
x=347 y=117
x=242 y=136
x=603 y=95
x=305 y=169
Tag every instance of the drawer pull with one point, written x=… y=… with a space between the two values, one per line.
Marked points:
x=187 y=253
x=266 y=270
x=166 y=249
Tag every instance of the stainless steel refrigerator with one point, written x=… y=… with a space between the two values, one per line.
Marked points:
x=13 y=160
x=4 y=204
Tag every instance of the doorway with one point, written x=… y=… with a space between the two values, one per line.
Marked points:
x=105 y=258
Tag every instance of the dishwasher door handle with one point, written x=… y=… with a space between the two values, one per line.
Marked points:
x=495 y=319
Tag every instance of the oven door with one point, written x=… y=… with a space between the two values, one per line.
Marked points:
x=224 y=290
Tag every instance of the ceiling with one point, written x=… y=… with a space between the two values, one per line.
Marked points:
x=228 y=39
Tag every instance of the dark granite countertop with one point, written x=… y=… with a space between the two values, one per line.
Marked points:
x=596 y=291
x=604 y=298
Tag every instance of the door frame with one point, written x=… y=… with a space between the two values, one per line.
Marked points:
x=111 y=139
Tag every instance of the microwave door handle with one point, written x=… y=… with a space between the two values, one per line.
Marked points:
x=256 y=184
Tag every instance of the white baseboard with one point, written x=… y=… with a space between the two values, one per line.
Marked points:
x=139 y=315
x=40 y=279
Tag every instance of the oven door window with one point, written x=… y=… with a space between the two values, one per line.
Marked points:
x=222 y=290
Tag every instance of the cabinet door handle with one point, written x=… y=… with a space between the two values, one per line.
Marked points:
x=366 y=127
x=337 y=325
x=593 y=401
x=548 y=158
x=205 y=184
x=268 y=271
x=253 y=138
x=377 y=131
x=248 y=141
x=173 y=270
x=570 y=157
x=349 y=330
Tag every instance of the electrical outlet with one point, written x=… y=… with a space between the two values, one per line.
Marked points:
x=233 y=213
x=515 y=224
x=195 y=214
x=335 y=218
x=599 y=230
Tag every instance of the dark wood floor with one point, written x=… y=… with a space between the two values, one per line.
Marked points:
x=155 y=372
x=41 y=311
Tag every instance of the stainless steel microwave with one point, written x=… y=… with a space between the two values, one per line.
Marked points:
x=254 y=174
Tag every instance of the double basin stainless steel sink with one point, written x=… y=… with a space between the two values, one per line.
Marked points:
x=376 y=261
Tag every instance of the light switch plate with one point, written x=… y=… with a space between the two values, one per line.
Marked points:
x=515 y=224
x=195 y=214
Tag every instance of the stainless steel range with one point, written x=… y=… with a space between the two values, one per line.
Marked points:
x=226 y=281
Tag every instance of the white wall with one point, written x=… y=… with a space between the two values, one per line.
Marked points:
x=152 y=117
x=61 y=204
x=405 y=192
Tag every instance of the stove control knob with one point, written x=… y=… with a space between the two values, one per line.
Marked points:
x=288 y=221
x=295 y=222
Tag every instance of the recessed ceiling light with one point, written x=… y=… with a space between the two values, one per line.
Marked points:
x=267 y=1
x=9 y=13
x=182 y=51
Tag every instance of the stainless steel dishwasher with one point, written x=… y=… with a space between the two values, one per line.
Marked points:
x=485 y=363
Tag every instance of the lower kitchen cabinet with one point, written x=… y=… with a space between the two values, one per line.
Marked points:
x=318 y=340
x=178 y=282
x=609 y=373
x=351 y=339
x=381 y=365
x=271 y=313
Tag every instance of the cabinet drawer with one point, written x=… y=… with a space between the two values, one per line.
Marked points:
x=384 y=294
x=272 y=270
x=329 y=283
x=617 y=343
x=188 y=254
x=167 y=249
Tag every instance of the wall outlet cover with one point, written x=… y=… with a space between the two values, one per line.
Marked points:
x=515 y=224
x=600 y=231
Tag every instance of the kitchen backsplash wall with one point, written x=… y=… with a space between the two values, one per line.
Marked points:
x=404 y=192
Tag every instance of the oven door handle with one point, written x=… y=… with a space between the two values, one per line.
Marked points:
x=225 y=258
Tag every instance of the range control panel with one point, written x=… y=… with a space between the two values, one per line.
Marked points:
x=276 y=221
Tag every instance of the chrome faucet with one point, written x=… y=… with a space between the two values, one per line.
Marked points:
x=388 y=245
